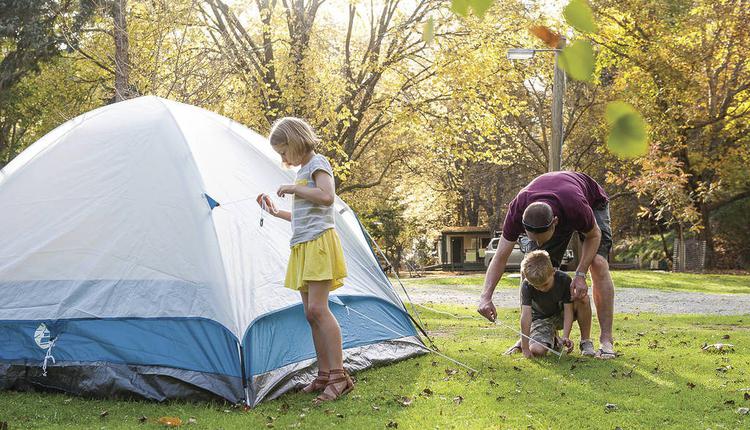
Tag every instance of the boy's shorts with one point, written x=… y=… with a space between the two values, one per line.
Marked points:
x=543 y=330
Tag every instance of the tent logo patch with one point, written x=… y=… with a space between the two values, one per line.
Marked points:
x=42 y=336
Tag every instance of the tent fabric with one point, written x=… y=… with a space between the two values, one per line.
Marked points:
x=133 y=244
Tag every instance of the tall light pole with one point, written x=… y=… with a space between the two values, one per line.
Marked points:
x=558 y=91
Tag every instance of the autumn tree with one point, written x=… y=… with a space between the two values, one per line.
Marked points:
x=687 y=66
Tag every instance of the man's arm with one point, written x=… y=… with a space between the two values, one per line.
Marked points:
x=492 y=277
x=578 y=287
x=525 y=330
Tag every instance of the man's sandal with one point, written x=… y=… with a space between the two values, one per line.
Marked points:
x=333 y=381
x=605 y=355
x=317 y=384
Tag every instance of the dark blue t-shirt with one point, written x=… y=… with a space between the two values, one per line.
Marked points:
x=549 y=303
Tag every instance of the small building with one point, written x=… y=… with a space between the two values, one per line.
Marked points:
x=462 y=248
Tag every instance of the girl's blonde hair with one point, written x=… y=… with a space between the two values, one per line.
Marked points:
x=296 y=134
x=536 y=267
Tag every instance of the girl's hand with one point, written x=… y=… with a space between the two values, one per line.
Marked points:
x=270 y=207
x=286 y=189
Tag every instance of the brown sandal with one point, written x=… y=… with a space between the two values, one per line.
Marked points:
x=317 y=384
x=332 y=381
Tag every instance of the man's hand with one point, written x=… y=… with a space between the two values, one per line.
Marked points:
x=487 y=309
x=578 y=288
x=286 y=189
x=568 y=344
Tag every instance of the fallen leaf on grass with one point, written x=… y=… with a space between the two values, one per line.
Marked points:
x=691 y=385
x=458 y=399
x=142 y=419
x=726 y=336
x=718 y=347
x=451 y=372
x=284 y=408
x=192 y=420
x=728 y=402
x=426 y=392
x=392 y=425
x=375 y=408
x=747 y=396
x=743 y=411
x=516 y=368
x=103 y=414
x=404 y=401
x=724 y=369
x=170 y=421
x=609 y=407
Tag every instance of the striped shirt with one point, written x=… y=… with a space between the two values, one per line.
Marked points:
x=310 y=220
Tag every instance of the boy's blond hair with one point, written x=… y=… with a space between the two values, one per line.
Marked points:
x=536 y=267
x=296 y=134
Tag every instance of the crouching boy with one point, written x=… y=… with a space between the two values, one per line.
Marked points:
x=546 y=307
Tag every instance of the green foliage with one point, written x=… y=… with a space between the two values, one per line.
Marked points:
x=579 y=15
x=428 y=31
x=479 y=7
x=460 y=7
x=627 y=130
x=578 y=60
x=646 y=248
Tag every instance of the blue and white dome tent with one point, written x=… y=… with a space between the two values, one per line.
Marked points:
x=120 y=276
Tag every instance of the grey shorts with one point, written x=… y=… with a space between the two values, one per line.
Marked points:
x=557 y=245
x=543 y=330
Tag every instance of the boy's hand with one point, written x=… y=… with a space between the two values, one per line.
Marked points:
x=568 y=344
x=265 y=199
x=527 y=352
x=286 y=189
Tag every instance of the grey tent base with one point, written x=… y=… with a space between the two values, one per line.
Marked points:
x=273 y=384
x=121 y=381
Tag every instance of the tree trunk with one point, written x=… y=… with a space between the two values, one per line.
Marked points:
x=708 y=236
x=122 y=58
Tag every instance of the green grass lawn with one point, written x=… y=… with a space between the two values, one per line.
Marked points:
x=724 y=284
x=662 y=380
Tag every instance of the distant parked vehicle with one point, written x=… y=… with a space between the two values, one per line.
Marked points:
x=516 y=256
x=514 y=260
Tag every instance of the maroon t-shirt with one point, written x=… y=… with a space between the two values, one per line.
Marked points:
x=572 y=196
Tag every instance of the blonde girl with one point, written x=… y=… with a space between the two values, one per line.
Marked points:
x=316 y=265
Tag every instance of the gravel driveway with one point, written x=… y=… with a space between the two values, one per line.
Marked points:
x=627 y=300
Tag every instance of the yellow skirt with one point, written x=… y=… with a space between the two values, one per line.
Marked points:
x=320 y=259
